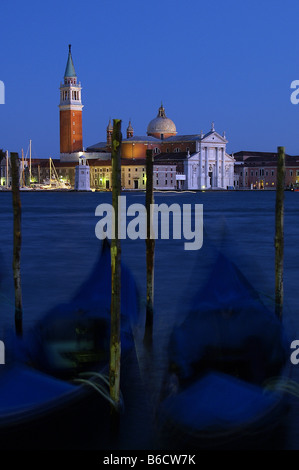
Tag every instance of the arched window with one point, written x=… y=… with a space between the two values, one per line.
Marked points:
x=177 y=149
x=157 y=150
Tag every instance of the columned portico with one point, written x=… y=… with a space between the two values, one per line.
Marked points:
x=206 y=167
x=200 y=183
x=222 y=168
x=217 y=167
x=210 y=167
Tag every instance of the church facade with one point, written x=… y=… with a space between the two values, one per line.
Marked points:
x=210 y=167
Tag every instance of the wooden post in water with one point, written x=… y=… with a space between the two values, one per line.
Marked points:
x=279 y=237
x=16 y=201
x=115 y=345
x=150 y=251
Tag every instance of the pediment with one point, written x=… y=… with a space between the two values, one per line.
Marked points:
x=214 y=137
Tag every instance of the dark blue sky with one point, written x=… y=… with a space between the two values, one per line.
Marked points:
x=230 y=61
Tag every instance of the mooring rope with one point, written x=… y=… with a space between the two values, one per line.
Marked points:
x=99 y=388
x=282 y=385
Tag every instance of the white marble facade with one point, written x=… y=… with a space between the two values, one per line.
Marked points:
x=210 y=167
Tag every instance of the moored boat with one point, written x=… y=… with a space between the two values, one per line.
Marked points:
x=55 y=394
x=220 y=359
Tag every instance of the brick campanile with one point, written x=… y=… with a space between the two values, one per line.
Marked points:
x=70 y=110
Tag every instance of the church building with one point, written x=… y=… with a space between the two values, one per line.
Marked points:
x=195 y=161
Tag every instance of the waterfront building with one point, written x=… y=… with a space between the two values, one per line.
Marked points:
x=202 y=158
x=258 y=170
x=133 y=175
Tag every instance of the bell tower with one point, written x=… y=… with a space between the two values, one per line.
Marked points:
x=130 y=130
x=109 y=133
x=70 y=110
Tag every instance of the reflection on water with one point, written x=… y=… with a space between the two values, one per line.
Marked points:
x=59 y=248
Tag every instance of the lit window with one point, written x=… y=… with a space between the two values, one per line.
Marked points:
x=73 y=132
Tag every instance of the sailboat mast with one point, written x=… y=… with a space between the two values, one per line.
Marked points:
x=6 y=169
x=30 y=161
x=23 y=184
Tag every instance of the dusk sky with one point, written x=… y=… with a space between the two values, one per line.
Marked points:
x=231 y=62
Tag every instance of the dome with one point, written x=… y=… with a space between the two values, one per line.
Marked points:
x=161 y=125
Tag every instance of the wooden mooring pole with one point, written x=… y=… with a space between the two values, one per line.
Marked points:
x=279 y=235
x=115 y=344
x=17 y=239
x=150 y=251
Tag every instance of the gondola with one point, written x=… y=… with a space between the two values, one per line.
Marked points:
x=54 y=394
x=220 y=359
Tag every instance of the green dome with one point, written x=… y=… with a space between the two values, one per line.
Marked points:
x=70 y=69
